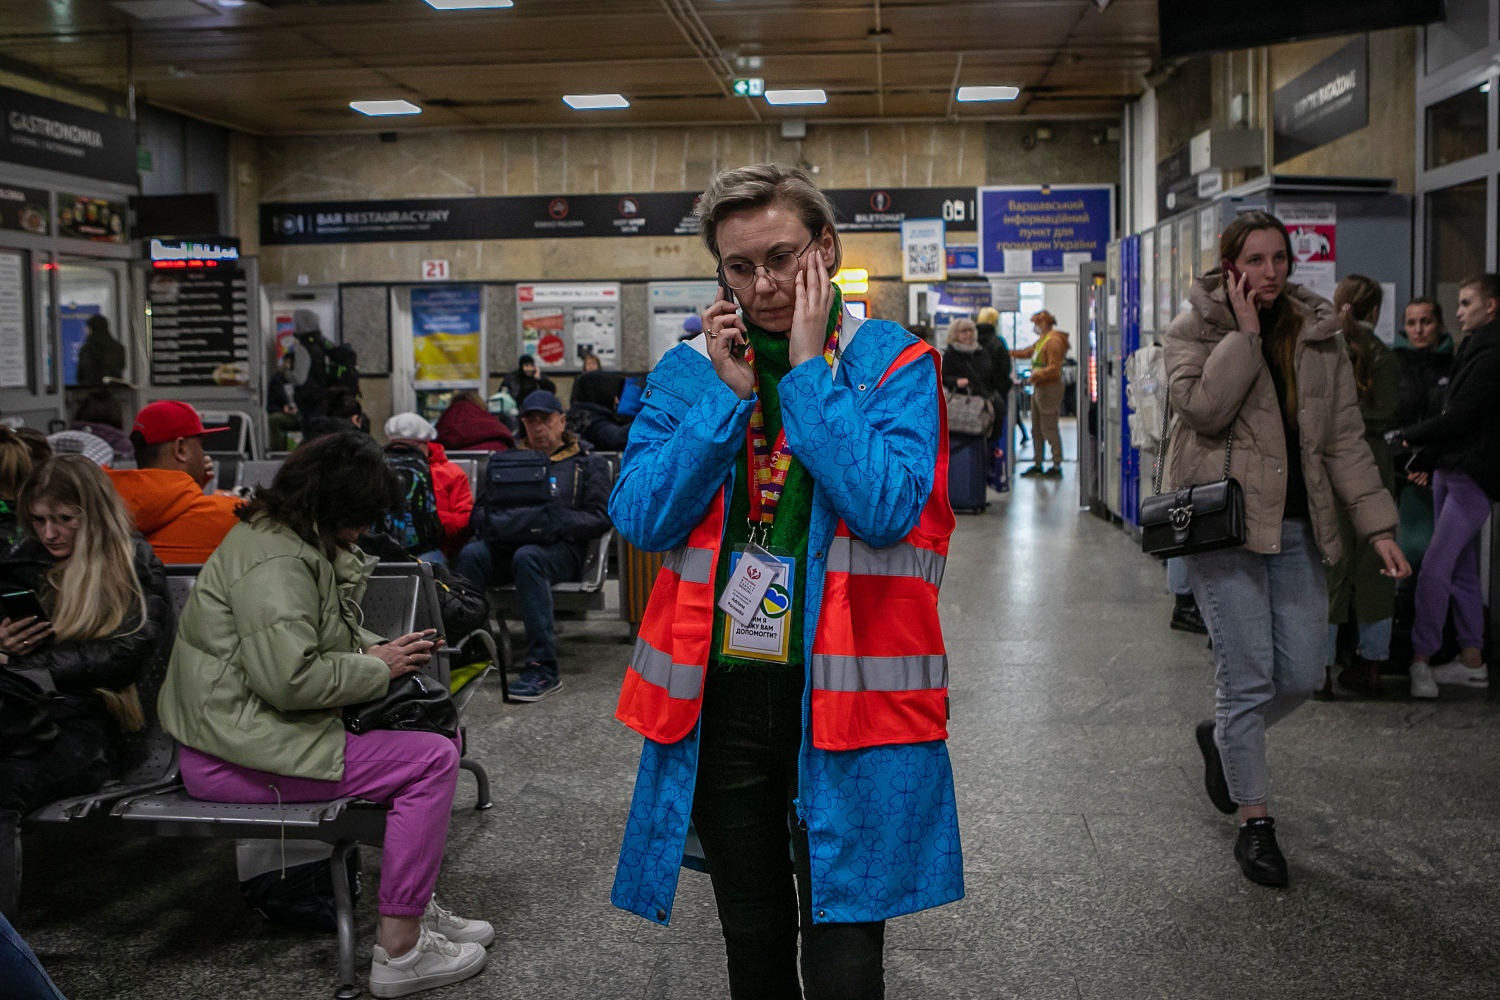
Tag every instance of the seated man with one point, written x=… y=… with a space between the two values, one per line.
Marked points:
x=165 y=493
x=540 y=542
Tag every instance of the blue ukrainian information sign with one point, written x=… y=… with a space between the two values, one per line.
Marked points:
x=1044 y=230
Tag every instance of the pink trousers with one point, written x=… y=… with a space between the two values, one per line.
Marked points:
x=414 y=773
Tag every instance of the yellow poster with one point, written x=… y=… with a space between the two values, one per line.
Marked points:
x=445 y=327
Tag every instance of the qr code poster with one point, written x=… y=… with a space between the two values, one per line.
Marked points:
x=924 y=250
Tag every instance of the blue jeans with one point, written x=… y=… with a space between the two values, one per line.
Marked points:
x=20 y=970
x=1374 y=641
x=1177 y=578
x=533 y=569
x=1268 y=618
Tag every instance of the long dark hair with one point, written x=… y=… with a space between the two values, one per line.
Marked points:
x=1286 y=321
x=1363 y=296
x=331 y=483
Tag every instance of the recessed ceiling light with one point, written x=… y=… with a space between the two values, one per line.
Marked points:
x=988 y=93
x=595 y=102
x=796 y=97
x=469 y=4
x=385 y=107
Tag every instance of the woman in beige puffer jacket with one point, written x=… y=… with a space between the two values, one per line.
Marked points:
x=1259 y=357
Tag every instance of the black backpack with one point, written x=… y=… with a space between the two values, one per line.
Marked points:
x=413 y=522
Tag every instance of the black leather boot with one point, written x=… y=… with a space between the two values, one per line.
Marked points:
x=1214 y=781
x=1186 y=617
x=1256 y=851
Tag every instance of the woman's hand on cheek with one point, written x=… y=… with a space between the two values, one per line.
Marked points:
x=810 y=314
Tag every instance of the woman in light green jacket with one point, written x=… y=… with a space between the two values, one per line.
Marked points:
x=270 y=649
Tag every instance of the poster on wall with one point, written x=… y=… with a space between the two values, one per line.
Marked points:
x=1044 y=230
x=12 y=320
x=25 y=210
x=200 y=328
x=673 y=303
x=561 y=323
x=1313 y=227
x=447 y=327
x=923 y=254
x=963 y=257
x=81 y=217
x=942 y=303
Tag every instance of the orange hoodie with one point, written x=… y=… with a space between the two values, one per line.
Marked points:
x=180 y=521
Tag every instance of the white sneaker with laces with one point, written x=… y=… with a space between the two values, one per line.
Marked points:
x=459 y=930
x=1422 y=684
x=434 y=962
x=1457 y=673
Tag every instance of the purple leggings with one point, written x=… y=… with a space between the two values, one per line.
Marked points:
x=1450 y=569
x=414 y=773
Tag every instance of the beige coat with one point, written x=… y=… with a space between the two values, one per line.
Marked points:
x=1216 y=375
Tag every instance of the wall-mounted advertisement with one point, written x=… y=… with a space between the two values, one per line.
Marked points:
x=447 y=336
x=963 y=257
x=25 y=210
x=82 y=217
x=673 y=303
x=12 y=320
x=1313 y=227
x=561 y=323
x=923 y=253
x=1044 y=230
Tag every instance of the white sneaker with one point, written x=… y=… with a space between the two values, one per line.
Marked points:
x=1457 y=673
x=1422 y=684
x=457 y=929
x=435 y=961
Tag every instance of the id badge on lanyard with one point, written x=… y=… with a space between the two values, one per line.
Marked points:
x=757 y=604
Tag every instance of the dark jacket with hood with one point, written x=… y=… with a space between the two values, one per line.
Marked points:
x=467 y=426
x=999 y=355
x=592 y=416
x=576 y=513
x=972 y=364
x=1465 y=436
x=76 y=668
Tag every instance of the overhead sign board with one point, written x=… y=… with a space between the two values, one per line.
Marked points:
x=749 y=86
x=1328 y=101
x=39 y=132
x=1042 y=230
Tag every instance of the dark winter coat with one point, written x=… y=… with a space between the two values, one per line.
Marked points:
x=1424 y=376
x=592 y=416
x=100 y=357
x=520 y=386
x=467 y=426
x=576 y=514
x=1465 y=436
x=1000 y=365
x=78 y=667
x=972 y=365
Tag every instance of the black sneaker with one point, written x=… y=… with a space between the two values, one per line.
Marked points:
x=1213 y=769
x=1186 y=618
x=536 y=682
x=1256 y=851
x=1035 y=470
x=1054 y=473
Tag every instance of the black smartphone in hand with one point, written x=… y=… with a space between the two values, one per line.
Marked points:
x=1231 y=274
x=19 y=604
x=736 y=347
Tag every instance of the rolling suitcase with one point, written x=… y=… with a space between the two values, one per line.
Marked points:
x=968 y=468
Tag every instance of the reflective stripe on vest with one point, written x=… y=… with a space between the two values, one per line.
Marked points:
x=879 y=666
x=663 y=689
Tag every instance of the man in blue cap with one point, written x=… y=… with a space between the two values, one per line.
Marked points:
x=533 y=519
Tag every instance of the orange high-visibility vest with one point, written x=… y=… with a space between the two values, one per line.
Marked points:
x=879 y=667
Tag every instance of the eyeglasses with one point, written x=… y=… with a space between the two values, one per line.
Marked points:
x=779 y=267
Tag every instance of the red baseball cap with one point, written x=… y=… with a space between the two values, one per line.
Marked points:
x=168 y=420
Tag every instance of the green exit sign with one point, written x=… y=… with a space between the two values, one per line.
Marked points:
x=749 y=86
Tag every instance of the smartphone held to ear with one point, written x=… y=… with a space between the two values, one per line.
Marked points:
x=1231 y=273
x=19 y=604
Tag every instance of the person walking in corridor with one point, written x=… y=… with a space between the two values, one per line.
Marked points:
x=1458 y=451
x=1255 y=368
x=1047 y=355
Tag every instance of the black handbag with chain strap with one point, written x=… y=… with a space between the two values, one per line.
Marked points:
x=1192 y=519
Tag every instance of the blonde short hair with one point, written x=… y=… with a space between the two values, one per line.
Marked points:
x=760 y=185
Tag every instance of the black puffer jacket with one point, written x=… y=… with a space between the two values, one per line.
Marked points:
x=132 y=656
x=972 y=365
x=1466 y=435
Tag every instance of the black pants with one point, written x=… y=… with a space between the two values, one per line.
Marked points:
x=742 y=809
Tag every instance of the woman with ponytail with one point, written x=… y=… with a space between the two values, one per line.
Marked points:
x=1254 y=368
x=1355 y=582
x=104 y=633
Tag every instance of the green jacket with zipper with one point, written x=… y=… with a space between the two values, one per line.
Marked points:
x=269 y=649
